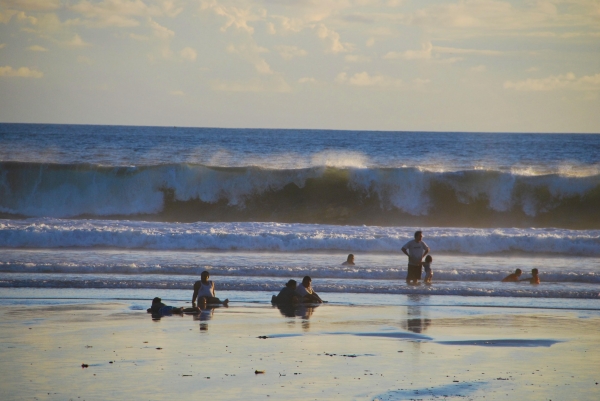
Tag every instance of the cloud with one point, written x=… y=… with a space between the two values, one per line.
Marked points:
x=77 y=42
x=288 y=24
x=140 y=38
x=2 y=45
x=423 y=54
x=356 y=58
x=122 y=13
x=177 y=93
x=365 y=80
x=307 y=80
x=455 y=50
x=559 y=82
x=277 y=84
x=188 y=53
x=289 y=52
x=31 y=5
x=333 y=39
x=487 y=16
x=251 y=52
x=235 y=17
x=478 y=68
x=23 y=72
x=161 y=31
x=434 y=54
x=36 y=48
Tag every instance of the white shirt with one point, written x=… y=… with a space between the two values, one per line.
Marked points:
x=206 y=290
x=415 y=250
x=302 y=290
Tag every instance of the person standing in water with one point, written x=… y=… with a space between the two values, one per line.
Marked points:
x=205 y=289
x=415 y=250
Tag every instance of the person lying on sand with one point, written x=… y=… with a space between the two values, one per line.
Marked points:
x=158 y=308
x=349 y=261
x=534 y=279
x=513 y=278
x=306 y=293
x=206 y=289
x=287 y=295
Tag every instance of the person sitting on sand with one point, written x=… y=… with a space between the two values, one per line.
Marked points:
x=287 y=295
x=158 y=308
x=206 y=289
x=513 y=278
x=534 y=279
x=306 y=293
x=349 y=261
x=427 y=267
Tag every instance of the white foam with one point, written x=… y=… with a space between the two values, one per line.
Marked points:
x=51 y=233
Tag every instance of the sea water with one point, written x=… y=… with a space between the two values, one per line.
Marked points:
x=115 y=208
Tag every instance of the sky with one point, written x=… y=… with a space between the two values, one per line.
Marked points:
x=399 y=65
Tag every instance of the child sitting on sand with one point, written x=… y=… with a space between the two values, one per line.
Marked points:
x=206 y=289
x=427 y=267
x=534 y=279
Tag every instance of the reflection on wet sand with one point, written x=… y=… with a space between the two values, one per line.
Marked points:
x=304 y=311
x=416 y=322
x=204 y=316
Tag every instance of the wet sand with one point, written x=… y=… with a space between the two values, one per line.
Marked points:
x=332 y=352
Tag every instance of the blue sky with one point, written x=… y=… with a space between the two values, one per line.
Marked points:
x=468 y=65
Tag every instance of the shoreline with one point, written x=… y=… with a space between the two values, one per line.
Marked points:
x=331 y=352
x=139 y=297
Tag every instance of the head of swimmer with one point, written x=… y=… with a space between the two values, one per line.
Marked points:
x=418 y=236
x=350 y=258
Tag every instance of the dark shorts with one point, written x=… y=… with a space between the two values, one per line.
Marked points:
x=414 y=272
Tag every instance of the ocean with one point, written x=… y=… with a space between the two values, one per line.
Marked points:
x=140 y=210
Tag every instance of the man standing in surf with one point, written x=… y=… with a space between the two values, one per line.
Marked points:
x=415 y=250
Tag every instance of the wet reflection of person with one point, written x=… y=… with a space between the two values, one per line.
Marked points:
x=305 y=312
x=206 y=314
x=416 y=323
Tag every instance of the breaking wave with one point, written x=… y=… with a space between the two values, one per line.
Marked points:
x=321 y=195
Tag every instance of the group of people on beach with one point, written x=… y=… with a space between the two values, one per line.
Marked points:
x=204 y=294
x=292 y=293
x=416 y=250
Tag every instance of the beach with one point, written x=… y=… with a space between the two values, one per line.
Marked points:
x=339 y=351
x=96 y=221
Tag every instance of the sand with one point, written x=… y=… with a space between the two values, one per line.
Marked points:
x=332 y=352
